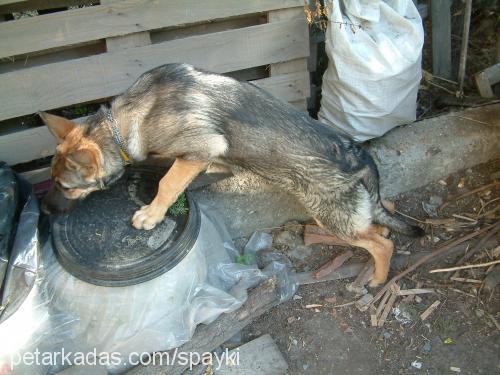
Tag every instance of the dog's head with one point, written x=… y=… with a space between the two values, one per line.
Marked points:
x=78 y=165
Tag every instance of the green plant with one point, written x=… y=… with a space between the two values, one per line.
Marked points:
x=244 y=259
x=180 y=207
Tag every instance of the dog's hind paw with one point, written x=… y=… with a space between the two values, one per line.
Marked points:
x=147 y=217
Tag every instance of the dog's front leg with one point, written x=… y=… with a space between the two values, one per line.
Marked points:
x=171 y=186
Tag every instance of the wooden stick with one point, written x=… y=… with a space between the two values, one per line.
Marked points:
x=344 y=272
x=440 y=251
x=463 y=48
x=387 y=310
x=480 y=244
x=314 y=234
x=429 y=310
x=382 y=303
x=410 y=292
x=333 y=264
x=465 y=280
x=465 y=267
x=366 y=274
x=461 y=196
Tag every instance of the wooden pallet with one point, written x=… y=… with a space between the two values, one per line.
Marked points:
x=92 y=53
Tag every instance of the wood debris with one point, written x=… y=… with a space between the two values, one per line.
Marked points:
x=469 y=193
x=430 y=310
x=334 y=264
x=379 y=315
x=439 y=252
x=313 y=234
x=365 y=275
x=466 y=280
x=387 y=310
x=487 y=264
x=313 y=305
x=363 y=303
x=408 y=292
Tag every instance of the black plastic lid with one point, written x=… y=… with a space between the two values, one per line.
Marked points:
x=96 y=242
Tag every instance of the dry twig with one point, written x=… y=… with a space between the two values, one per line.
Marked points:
x=465 y=267
x=440 y=251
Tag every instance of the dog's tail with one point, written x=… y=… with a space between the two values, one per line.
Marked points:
x=383 y=217
x=370 y=179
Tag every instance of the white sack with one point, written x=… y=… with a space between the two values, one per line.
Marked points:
x=373 y=74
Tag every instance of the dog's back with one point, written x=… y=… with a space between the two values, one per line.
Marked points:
x=222 y=119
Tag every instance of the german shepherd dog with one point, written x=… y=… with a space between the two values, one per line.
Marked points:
x=198 y=118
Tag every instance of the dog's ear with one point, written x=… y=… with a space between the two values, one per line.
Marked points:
x=58 y=126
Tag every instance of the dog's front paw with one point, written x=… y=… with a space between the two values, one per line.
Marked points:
x=147 y=217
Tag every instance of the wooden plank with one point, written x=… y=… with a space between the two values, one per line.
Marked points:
x=37 y=175
x=162 y=35
x=4 y=2
x=487 y=78
x=300 y=104
x=287 y=87
x=116 y=43
x=441 y=38
x=23 y=6
x=77 y=81
x=292 y=66
x=120 y=18
x=29 y=61
x=296 y=65
x=35 y=143
x=26 y=145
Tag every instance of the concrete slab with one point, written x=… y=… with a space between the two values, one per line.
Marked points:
x=260 y=356
x=408 y=157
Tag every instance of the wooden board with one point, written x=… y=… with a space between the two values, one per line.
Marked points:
x=35 y=143
x=296 y=65
x=441 y=38
x=77 y=81
x=487 y=78
x=120 y=18
x=22 y=6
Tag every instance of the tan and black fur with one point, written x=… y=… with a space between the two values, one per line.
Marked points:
x=198 y=118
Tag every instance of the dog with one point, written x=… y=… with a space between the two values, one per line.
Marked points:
x=198 y=118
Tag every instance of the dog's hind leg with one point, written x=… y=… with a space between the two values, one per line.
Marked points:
x=381 y=250
x=177 y=179
x=380 y=229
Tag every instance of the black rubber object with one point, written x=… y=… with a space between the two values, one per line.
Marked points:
x=96 y=242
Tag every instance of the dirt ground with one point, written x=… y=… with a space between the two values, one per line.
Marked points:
x=461 y=335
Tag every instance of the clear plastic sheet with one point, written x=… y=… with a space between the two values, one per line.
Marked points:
x=62 y=313
x=8 y=205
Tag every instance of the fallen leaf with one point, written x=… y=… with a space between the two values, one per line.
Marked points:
x=461 y=183
x=331 y=299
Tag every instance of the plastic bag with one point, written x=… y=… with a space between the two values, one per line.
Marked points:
x=8 y=205
x=374 y=49
x=60 y=313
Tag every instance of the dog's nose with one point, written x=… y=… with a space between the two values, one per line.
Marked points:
x=55 y=202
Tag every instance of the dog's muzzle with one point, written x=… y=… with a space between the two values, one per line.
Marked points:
x=55 y=201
